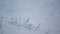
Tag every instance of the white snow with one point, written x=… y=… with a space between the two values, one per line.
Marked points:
x=43 y=12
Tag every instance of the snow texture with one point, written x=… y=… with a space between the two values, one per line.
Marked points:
x=30 y=17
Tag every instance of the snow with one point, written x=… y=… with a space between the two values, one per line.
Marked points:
x=30 y=16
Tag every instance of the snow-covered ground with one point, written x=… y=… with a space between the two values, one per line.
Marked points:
x=43 y=12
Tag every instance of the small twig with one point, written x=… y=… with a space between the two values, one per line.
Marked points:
x=37 y=27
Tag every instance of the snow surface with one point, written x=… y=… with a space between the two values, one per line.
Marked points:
x=43 y=12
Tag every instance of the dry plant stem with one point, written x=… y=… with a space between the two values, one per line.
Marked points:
x=37 y=27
